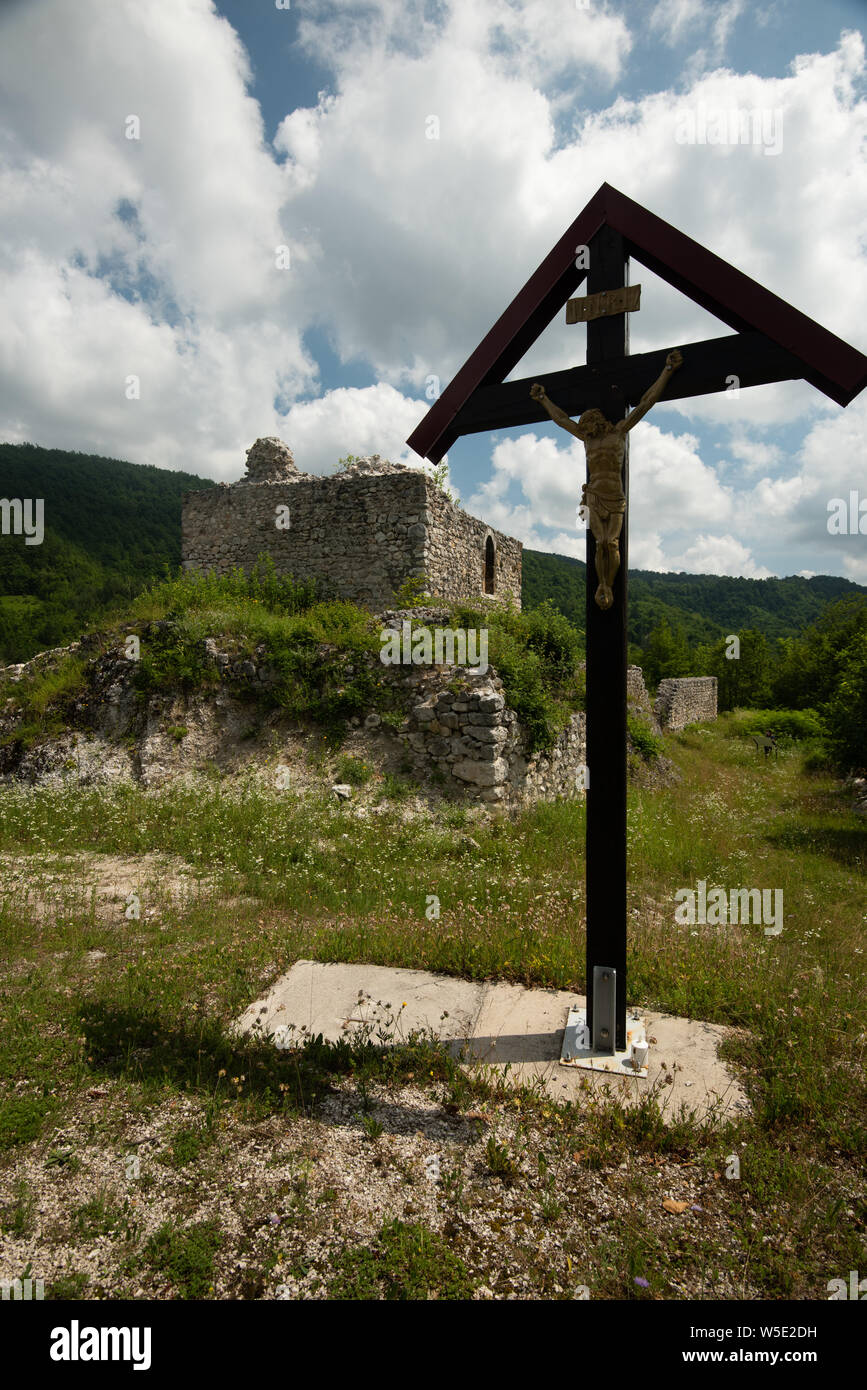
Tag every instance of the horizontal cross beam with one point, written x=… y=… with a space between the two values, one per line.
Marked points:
x=707 y=367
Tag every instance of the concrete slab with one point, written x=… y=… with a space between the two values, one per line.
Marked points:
x=522 y=1030
x=516 y=1032
x=332 y=999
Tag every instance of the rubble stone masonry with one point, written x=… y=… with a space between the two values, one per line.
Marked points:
x=364 y=530
x=689 y=700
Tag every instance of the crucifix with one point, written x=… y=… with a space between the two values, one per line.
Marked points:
x=771 y=342
x=603 y=498
x=602 y=1029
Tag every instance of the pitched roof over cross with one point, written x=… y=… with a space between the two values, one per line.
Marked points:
x=773 y=341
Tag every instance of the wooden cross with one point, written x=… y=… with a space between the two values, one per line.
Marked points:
x=772 y=342
x=606 y=636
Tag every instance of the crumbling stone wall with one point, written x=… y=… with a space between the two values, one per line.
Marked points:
x=688 y=700
x=637 y=699
x=454 y=552
x=466 y=743
x=477 y=745
x=364 y=530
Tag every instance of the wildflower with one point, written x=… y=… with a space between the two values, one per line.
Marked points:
x=641 y=1282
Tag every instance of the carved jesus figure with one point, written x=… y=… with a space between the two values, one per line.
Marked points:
x=602 y=494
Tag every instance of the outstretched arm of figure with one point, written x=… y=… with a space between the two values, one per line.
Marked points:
x=557 y=415
x=652 y=395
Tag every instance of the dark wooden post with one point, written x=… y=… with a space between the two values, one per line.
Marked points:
x=606 y=682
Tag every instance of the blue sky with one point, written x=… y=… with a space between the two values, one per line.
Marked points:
x=154 y=258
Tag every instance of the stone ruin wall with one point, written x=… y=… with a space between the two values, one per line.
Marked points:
x=637 y=699
x=475 y=744
x=455 y=553
x=688 y=700
x=363 y=535
x=363 y=531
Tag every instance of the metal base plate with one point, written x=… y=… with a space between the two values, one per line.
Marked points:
x=578 y=1053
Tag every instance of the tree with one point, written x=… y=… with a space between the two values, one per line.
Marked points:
x=665 y=654
x=440 y=475
x=809 y=672
x=846 y=712
x=742 y=679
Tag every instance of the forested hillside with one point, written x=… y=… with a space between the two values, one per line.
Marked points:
x=801 y=644
x=110 y=526
x=704 y=606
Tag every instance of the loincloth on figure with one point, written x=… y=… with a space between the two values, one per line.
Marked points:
x=605 y=495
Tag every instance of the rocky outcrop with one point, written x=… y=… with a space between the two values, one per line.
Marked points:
x=37 y=665
x=458 y=737
x=456 y=734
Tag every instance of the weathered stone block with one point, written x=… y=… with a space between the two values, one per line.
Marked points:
x=485 y=735
x=480 y=773
x=485 y=752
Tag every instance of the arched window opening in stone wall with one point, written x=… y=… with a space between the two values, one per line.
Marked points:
x=490 y=565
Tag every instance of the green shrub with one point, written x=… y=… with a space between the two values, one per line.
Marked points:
x=557 y=642
x=787 y=725
x=538 y=657
x=44 y=700
x=846 y=711
x=404 y=1262
x=412 y=593
x=818 y=760
x=500 y=1162
x=353 y=770
x=642 y=738
x=186 y=1146
x=172 y=658
x=194 y=590
x=745 y=680
x=22 y=1118
x=526 y=690
x=809 y=666
x=322 y=653
x=185 y=1257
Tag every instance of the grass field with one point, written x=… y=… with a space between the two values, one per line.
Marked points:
x=145 y=1152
